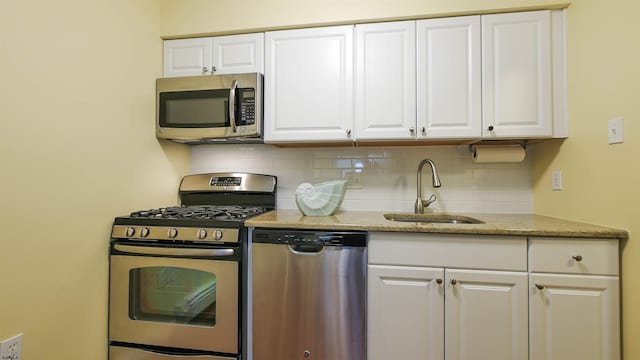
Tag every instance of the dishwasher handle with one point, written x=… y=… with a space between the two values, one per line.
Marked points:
x=309 y=249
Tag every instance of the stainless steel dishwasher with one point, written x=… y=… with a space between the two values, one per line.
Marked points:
x=308 y=293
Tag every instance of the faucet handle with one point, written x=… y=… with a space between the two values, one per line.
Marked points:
x=429 y=201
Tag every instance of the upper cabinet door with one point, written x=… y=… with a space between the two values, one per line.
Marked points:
x=309 y=85
x=238 y=54
x=214 y=55
x=187 y=57
x=516 y=67
x=449 y=78
x=385 y=81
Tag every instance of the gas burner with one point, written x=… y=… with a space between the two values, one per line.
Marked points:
x=202 y=212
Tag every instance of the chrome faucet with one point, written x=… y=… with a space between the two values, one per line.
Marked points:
x=421 y=204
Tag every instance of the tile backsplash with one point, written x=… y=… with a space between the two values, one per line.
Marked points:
x=381 y=178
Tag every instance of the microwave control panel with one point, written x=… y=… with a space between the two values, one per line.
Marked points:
x=246 y=106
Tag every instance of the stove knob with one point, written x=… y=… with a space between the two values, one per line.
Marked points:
x=202 y=234
x=130 y=231
x=173 y=232
x=217 y=235
x=144 y=232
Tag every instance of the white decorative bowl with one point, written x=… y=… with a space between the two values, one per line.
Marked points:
x=320 y=199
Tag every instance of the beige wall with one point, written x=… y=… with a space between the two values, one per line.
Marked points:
x=77 y=149
x=601 y=181
x=185 y=17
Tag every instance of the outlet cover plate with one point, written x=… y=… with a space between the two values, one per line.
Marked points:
x=11 y=349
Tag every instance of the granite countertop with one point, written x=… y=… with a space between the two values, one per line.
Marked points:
x=494 y=224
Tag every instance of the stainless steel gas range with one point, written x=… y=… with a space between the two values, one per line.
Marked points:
x=178 y=275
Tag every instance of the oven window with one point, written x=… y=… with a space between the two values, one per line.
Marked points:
x=173 y=295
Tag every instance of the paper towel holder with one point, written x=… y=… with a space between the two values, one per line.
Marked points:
x=472 y=147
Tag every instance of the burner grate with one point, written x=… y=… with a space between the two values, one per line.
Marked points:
x=201 y=212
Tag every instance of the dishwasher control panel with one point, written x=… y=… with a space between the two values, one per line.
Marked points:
x=316 y=238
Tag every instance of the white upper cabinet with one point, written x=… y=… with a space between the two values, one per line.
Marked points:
x=309 y=85
x=449 y=78
x=214 y=55
x=385 y=104
x=236 y=54
x=187 y=57
x=516 y=67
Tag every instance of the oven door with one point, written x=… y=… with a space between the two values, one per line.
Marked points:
x=175 y=297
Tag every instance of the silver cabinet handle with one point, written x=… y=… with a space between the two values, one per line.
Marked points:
x=232 y=105
x=148 y=250
x=348 y=131
x=412 y=130
x=205 y=70
x=213 y=69
x=423 y=129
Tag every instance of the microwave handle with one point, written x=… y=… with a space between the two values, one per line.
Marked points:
x=232 y=105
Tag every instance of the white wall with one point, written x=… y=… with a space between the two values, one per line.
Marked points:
x=388 y=175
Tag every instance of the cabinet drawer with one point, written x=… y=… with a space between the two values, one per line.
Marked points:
x=574 y=256
x=448 y=250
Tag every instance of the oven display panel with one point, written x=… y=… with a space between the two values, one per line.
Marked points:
x=226 y=181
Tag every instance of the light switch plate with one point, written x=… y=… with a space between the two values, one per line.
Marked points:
x=616 y=131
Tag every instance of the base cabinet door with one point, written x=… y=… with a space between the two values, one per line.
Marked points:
x=574 y=317
x=486 y=315
x=405 y=313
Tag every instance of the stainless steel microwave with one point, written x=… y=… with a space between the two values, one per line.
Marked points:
x=208 y=109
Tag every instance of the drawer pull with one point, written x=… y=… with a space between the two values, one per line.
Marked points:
x=577 y=257
x=454 y=281
x=540 y=287
x=439 y=281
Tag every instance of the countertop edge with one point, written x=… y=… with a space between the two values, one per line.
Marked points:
x=494 y=224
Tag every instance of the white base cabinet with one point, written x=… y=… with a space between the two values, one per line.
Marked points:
x=485 y=315
x=423 y=303
x=405 y=313
x=574 y=317
x=456 y=297
x=574 y=299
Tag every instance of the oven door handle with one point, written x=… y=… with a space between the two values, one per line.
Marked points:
x=148 y=250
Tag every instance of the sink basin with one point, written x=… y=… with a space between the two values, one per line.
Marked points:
x=432 y=218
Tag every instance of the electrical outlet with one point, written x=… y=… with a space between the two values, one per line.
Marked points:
x=354 y=179
x=616 y=131
x=11 y=349
x=556 y=180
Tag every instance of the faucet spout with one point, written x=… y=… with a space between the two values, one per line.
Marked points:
x=421 y=204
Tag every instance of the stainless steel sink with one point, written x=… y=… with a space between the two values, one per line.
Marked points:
x=432 y=218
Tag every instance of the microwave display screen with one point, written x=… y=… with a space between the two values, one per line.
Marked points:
x=194 y=109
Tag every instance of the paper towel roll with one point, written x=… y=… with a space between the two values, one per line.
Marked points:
x=497 y=153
